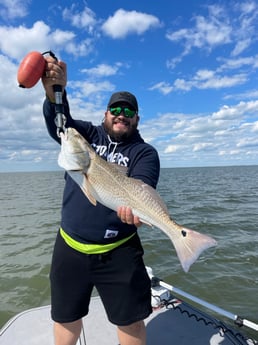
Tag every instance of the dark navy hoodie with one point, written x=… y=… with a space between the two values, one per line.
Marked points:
x=81 y=220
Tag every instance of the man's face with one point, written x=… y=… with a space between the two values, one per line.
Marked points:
x=120 y=127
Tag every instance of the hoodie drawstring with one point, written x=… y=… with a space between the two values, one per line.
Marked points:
x=111 y=146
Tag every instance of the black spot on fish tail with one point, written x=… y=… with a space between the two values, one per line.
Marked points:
x=184 y=233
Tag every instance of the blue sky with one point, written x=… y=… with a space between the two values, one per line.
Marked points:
x=191 y=64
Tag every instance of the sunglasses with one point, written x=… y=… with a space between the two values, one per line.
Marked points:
x=127 y=111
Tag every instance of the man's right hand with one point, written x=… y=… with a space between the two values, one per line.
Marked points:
x=55 y=74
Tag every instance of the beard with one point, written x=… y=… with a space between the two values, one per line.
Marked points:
x=123 y=134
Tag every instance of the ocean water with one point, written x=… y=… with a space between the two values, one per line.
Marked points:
x=219 y=201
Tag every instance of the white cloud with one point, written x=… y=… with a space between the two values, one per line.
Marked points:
x=85 y=19
x=247 y=142
x=11 y=9
x=39 y=37
x=123 y=23
x=245 y=30
x=164 y=87
x=229 y=131
x=12 y=156
x=241 y=46
x=208 y=32
x=181 y=84
x=88 y=88
x=102 y=70
x=203 y=79
x=234 y=27
x=239 y=110
x=218 y=82
x=83 y=48
x=255 y=127
x=217 y=137
x=247 y=7
x=203 y=146
x=249 y=94
x=236 y=63
x=23 y=135
x=172 y=148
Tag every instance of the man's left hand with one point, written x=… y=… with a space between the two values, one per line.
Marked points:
x=126 y=215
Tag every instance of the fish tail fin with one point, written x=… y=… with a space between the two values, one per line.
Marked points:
x=189 y=246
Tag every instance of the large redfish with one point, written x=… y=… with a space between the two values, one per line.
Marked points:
x=104 y=182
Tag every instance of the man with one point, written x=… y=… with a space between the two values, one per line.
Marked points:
x=118 y=273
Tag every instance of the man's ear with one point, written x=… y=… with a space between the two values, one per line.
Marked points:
x=105 y=115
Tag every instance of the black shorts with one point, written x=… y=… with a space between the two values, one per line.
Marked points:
x=119 y=276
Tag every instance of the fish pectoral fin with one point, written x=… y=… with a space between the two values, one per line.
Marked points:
x=77 y=176
x=83 y=183
x=144 y=222
x=85 y=187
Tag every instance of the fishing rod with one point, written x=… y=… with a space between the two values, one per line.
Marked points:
x=239 y=321
x=31 y=69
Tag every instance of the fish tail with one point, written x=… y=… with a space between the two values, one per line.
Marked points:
x=189 y=246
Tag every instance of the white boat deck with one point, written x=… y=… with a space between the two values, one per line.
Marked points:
x=164 y=326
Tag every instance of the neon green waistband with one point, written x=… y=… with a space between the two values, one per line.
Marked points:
x=91 y=248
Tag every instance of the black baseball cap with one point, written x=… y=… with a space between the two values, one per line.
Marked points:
x=123 y=96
